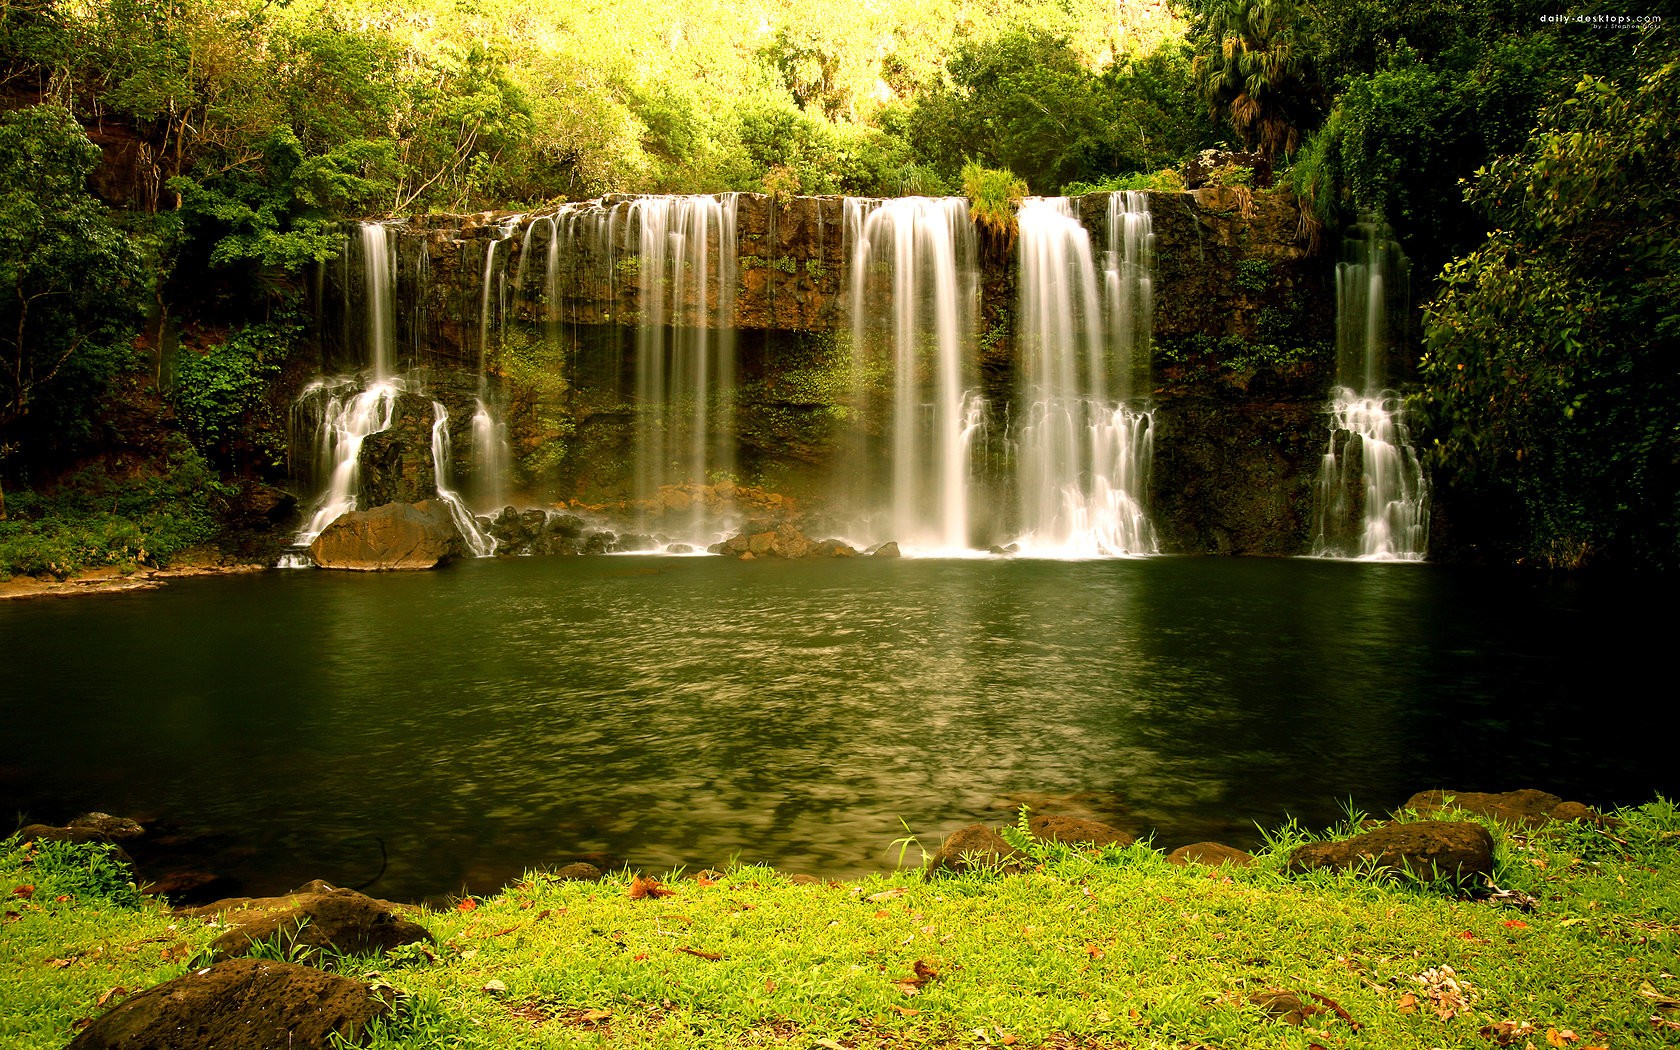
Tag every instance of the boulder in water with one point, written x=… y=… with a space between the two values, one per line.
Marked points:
x=397 y=536
x=1526 y=808
x=888 y=549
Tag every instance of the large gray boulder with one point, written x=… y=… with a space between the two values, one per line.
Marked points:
x=395 y=536
x=242 y=1004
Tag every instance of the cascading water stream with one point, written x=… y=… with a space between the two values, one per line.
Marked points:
x=919 y=256
x=349 y=410
x=479 y=542
x=1082 y=455
x=685 y=364
x=1372 y=500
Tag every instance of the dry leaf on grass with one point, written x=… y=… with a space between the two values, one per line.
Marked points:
x=643 y=887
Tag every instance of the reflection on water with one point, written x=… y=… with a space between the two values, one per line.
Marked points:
x=498 y=715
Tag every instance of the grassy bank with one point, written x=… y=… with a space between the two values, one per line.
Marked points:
x=1113 y=948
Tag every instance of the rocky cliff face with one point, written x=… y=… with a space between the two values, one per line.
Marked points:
x=1240 y=371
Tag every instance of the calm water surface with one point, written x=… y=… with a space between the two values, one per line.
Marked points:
x=503 y=714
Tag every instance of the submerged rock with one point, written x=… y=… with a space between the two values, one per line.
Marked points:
x=242 y=1004
x=317 y=917
x=1076 y=831
x=1427 y=849
x=1527 y=808
x=397 y=536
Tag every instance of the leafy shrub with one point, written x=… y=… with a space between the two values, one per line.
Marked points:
x=219 y=391
x=88 y=871
x=993 y=197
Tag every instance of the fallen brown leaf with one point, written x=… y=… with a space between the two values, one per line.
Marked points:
x=643 y=887
x=708 y=956
x=1563 y=1038
x=467 y=904
x=115 y=993
x=1407 y=1003
x=595 y=1016
x=25 y=892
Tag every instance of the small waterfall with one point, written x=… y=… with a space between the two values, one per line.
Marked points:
x=481 y=543
x=1372 y=500
x=379 y=308
x=491 y=455
x=914 y=296
x=685 y=343
x=347 y=414
x=346 y=411
x=1082 y=453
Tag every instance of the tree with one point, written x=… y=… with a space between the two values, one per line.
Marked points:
x=1254 y=69
x=1552 y=389
x=69 y=279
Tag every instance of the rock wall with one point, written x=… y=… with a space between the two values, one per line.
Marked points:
x=1242 y=363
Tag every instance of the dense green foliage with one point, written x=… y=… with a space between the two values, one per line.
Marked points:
x=100 y=516
x=69 y=278
x=1551 y=372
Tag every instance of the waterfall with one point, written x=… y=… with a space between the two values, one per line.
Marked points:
x=914 y=294
x=344 y=410
x=491 y=454
x=685 y=343
x=481 y=543
x=1082 y=453
x=1372 y=499
x=341 y=412
x=348 y=414
x=378 y=308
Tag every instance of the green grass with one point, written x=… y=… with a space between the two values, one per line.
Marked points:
x=1112 y=948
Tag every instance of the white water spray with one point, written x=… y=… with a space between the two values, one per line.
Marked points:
x=481 y=543
x=1372 y=499
x=919 y=255
x=1082 y=455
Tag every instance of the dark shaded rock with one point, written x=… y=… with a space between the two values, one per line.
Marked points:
x=396 y=463
x=600 y=543
x=888 y=549
x=636 y=541
x=578 y=871
x=398 y=536
x=831 y=549
x=111 y=829
x=679 y=548
x=317 y=917
x=89 y=827
x=1569 y=812
x=569 y=526
x=975 y=846
x=242 y=1004
x=1076 y=830
x=1212 y=853
x=1527 y=808
x=1427 y=849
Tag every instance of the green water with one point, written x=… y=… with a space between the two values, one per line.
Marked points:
x=504 y=714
